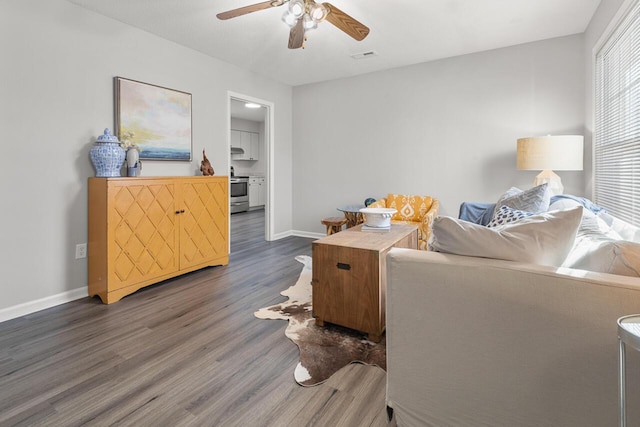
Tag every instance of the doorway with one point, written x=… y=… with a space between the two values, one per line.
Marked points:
x=250 y=134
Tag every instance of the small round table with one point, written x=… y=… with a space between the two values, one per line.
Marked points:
x=352 y=214
x=628 y=334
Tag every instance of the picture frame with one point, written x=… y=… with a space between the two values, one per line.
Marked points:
x=154 y=118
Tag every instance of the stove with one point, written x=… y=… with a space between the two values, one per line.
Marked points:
x=239 y=194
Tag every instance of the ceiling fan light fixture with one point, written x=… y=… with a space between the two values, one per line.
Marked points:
x=305 y=15
x=308 y=23
x=297 y=7
x=289 y=19
x=318 y=12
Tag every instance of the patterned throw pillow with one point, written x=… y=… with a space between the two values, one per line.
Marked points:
x=410 y=208
x=534 y=199
x=505 y=215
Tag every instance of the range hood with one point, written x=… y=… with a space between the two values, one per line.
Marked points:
x=237 y=150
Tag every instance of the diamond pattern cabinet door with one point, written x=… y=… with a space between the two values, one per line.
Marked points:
x=204 y=225
x=143 y=232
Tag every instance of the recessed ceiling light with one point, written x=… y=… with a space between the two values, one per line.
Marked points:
x=252 y=105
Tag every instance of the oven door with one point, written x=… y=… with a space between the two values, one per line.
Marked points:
x=239 y=189
x=239 y=195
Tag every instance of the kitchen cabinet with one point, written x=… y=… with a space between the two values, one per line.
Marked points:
x=257 y=192
x=145 y=230
x=248 y=141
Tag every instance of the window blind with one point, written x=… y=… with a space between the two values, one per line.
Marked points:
x=617 y=121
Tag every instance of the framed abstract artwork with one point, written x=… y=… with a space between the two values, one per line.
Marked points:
x=156 y=119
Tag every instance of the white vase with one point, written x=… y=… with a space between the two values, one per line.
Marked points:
x=133 y=162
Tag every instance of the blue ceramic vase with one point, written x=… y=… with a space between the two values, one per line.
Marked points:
x=107 y=156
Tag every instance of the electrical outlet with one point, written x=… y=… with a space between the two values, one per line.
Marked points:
x=81 y=251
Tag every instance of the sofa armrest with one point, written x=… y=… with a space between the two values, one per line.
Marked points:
x=475 y=341
x=426 y=225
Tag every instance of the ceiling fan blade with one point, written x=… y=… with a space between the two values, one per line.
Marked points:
x=248 y=9
x=346 y=23
x=296 y=35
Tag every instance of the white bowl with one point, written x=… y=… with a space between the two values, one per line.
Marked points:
x=378 y=217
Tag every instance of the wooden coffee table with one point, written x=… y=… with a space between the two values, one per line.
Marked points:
x=349 y=276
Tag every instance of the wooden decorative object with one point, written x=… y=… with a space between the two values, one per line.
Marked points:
x=145 y=230
x=349 y=276
x=353 y=218
x=333 y=224
x=205 y=166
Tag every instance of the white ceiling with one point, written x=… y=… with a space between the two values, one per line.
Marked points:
x=239 y=111
x=403 y=32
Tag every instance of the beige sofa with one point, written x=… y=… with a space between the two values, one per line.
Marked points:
x=482 y=342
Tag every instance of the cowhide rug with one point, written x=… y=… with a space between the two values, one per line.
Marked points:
x=323 y=349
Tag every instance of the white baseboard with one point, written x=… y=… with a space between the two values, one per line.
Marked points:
x=279 y=236
x=298 y=233
x=307 y=234
x=41 y=304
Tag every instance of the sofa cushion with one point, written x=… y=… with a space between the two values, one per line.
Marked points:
x=600 y=248
x=543 y=239
x=506 y=215
x=605 y=255
x=409 y=208
x=534 y=200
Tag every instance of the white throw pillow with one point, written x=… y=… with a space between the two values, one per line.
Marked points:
x=562 y=204
x=602 y=249
x=593 y=226
x=624 y=229
x=543 y=239
x=605 y=255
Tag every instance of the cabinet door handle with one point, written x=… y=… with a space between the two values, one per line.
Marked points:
x=181 y=210
x=343 y=266
x=177 y=212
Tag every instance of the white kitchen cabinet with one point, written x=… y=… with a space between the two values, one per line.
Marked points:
x=248 y=141
x=255 y=145
x=257 y=192
x=262 y=199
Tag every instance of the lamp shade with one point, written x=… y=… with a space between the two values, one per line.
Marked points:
x=558 y=152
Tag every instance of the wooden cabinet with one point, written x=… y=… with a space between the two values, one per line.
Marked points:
x=145 y=230
x=257 y=192
x=349 y=276
x=248 y=141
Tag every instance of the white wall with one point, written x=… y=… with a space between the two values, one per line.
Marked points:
x=446 y=128
x=56 y=96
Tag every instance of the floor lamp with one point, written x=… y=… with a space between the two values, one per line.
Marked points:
x=549 y=153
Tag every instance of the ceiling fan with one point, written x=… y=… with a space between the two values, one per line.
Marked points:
x=303 y=16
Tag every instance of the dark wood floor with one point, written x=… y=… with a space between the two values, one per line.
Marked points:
x=187 y=352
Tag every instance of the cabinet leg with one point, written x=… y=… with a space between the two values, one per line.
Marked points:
x=319 y=322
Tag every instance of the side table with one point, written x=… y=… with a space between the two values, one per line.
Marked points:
x=349 y=277
x=352 y=214
x=628 y=334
